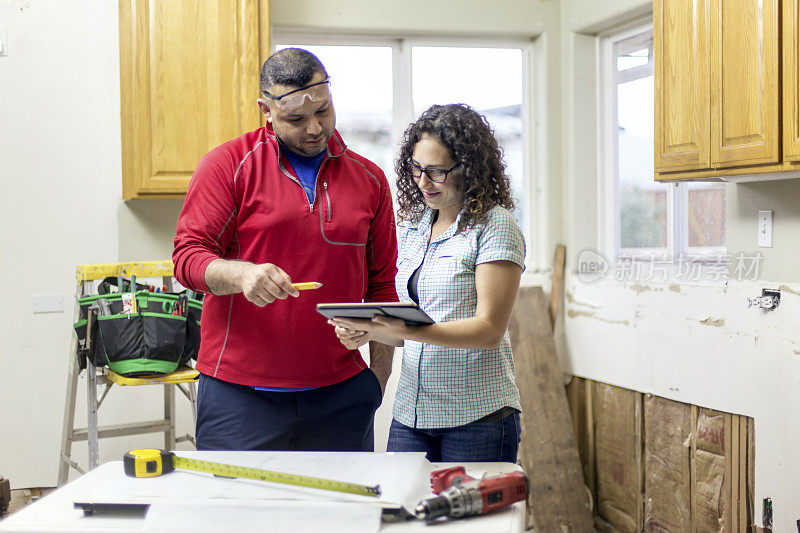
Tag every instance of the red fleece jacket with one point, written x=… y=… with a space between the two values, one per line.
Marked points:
x=244 y=202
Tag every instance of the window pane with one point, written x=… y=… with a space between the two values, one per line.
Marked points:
x=706 y=217
x=639 y=58
x=362 y=99
x=447 y=75
x=642 y=201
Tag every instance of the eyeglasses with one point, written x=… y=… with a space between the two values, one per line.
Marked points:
x=436 y=175
x=316 y=92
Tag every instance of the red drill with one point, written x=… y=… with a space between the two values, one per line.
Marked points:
x=460 y=495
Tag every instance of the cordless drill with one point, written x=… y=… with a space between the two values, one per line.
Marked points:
x=460 y=495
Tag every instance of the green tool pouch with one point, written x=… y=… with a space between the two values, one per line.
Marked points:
x=139 y=333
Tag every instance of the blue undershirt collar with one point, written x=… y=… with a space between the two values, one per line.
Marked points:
x=306 y=168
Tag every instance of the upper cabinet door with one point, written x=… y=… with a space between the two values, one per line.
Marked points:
x=791 y=80
x=681 y=51
x=745 y=112
x=189 y=81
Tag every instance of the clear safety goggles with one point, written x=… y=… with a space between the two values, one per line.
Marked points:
x=316 y=92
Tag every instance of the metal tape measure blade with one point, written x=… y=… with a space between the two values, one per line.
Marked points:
x=233 y=471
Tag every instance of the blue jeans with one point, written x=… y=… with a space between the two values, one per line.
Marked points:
x=478 y=441
x=338 y=417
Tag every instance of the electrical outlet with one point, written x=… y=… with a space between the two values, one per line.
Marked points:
x=772 y=297
x=765 y=229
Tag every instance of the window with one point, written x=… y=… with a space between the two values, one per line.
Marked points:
x=447 y=75
x=643 y=219
x=381 y=85
x=364 y=110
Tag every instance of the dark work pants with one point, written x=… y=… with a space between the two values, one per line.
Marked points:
x=338 y=417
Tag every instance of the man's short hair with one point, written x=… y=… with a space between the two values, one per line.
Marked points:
x=293 y=67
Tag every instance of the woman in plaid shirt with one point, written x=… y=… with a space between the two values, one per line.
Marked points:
x=461 y=256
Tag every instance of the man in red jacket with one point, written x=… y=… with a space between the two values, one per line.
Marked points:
x=286 y=203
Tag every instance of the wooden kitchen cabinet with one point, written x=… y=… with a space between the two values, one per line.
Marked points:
x=791 y=80
x=745 y=115
x=189 y=74
x=682 y=83
x=733 y=125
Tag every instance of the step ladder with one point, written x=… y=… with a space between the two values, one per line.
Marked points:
x=183 y=379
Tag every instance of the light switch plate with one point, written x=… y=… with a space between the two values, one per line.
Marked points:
x=48 y=303
x=765 y=229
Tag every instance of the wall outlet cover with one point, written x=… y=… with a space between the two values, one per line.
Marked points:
x=48 y=303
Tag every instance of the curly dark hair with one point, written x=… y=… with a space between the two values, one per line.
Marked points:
x=481 y=180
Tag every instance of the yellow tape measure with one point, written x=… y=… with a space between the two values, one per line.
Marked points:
x=152 y=463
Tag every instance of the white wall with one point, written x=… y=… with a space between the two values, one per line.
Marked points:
x=61 y=175
x=59 y=162
x=443 y=17
x=744 y=200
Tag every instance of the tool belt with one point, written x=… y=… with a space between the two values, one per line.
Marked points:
x=138 y=332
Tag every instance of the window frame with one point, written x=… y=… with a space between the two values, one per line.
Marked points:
x=608 y=237
x=534 y=162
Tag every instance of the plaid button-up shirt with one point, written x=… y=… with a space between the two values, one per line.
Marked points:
x=447 y=387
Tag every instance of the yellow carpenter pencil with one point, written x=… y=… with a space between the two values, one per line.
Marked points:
x=306 y=285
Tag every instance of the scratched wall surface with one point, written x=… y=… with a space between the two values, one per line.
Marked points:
x=699 y=345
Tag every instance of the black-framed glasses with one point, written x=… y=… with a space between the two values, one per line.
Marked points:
x=436 y=175
x=294 y=99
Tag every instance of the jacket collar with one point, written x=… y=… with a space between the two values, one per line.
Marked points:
x=336 y=146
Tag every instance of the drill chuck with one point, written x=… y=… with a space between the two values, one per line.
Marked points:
x=432 y=508
x=455 y=502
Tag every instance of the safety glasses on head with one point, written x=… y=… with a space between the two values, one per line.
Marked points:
x=316 y=92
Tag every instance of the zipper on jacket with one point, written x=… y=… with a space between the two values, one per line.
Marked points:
x=297 y=181
x=327 y=198
x=319 y=173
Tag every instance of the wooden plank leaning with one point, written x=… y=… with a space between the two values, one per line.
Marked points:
x=557 y=285
x=558 y=500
